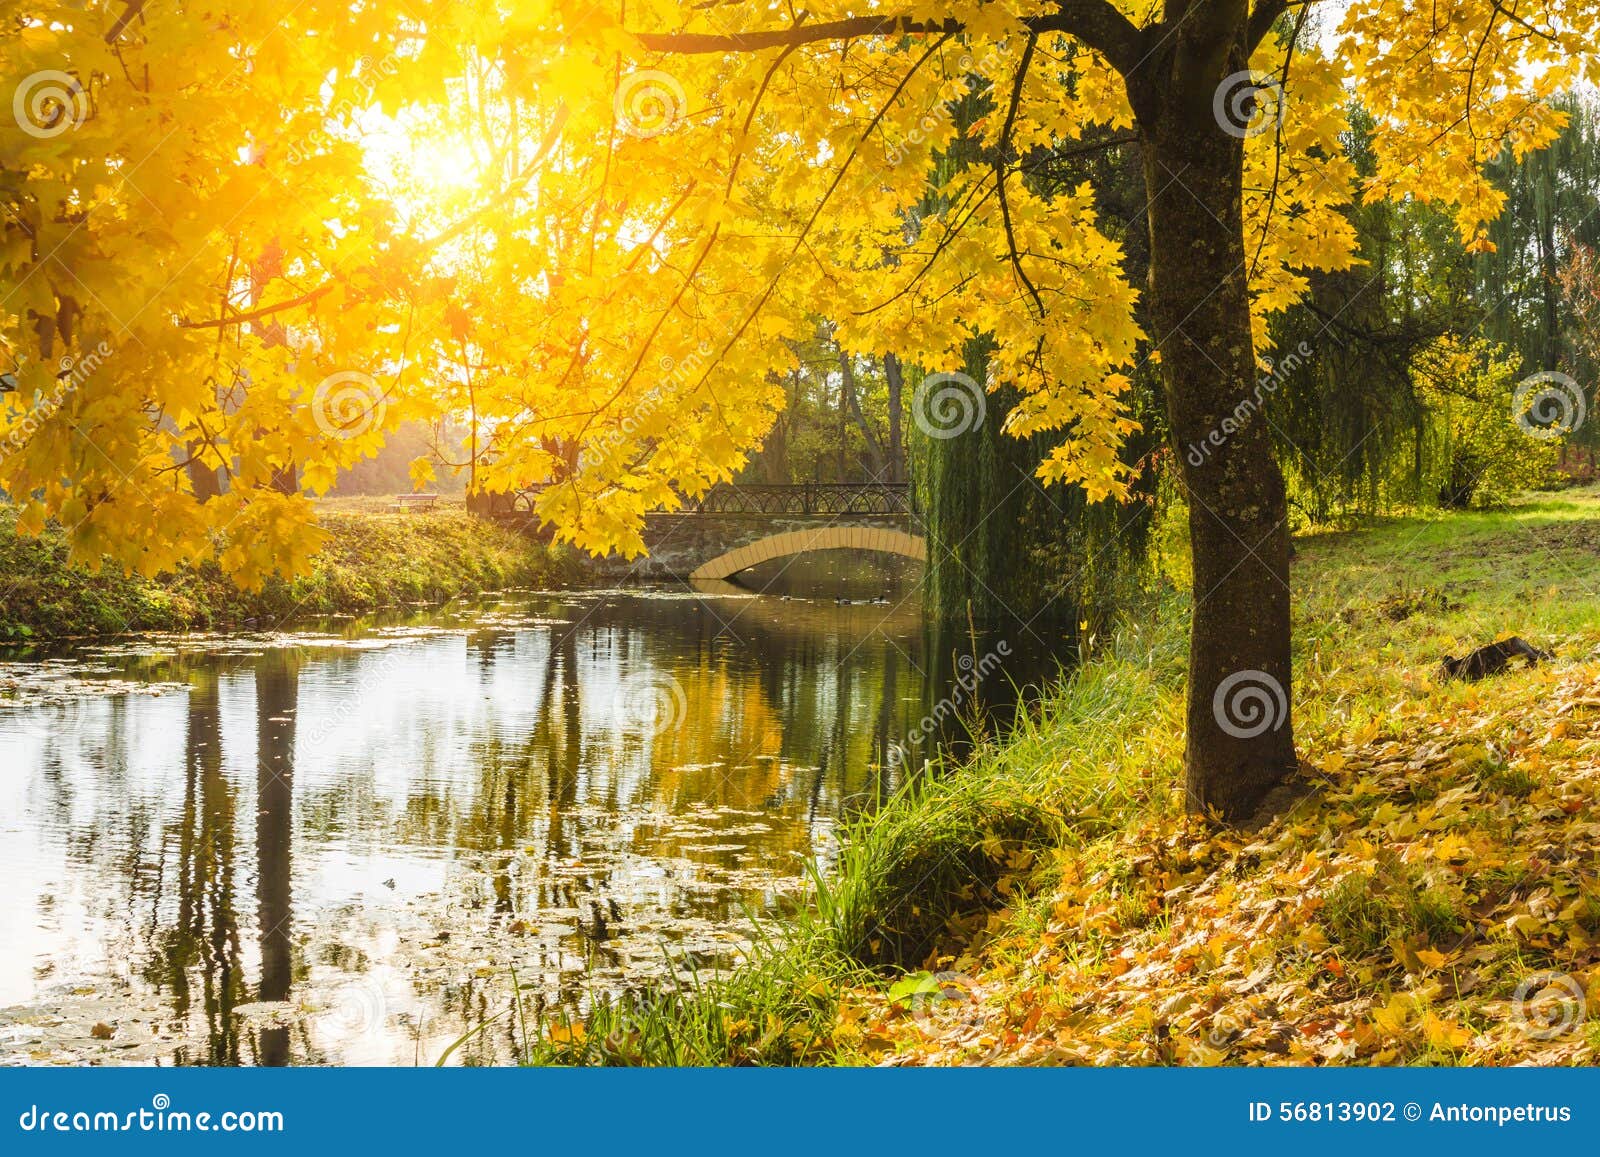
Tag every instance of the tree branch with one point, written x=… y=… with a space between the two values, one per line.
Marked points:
x=1265 y=15
x=264 y=311
x=1003 y=159
x=1095 y=22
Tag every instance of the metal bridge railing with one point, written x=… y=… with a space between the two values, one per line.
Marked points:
x=829 y=499
x=811 y=498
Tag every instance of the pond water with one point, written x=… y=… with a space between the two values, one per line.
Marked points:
x=339 y=844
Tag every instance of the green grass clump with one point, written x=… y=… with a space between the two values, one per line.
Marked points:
x=1490 y=771
x=937 y=857
x=1365 y=910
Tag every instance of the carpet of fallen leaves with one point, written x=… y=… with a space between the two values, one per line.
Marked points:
x=1435 y=898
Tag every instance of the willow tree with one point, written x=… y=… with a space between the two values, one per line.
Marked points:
x=604 y=228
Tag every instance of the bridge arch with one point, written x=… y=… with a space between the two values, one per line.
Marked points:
x=821 y=538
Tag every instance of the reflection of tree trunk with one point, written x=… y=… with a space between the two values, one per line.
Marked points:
x=835 y=744
x=206 y=931
x=223 y=966
x=888 y=701
x=186 y=934
x=277 y=688
x=571 y=722
x=562 y=765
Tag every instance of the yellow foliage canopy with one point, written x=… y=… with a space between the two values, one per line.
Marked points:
x=240 y=241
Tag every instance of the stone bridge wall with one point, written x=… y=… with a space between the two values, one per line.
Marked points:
x=681 y=543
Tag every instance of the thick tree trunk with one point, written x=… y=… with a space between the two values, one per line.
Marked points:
x=1240 y=742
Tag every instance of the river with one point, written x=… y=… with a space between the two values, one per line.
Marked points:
x=339 y=844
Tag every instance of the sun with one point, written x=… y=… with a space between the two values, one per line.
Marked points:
x=423 y=167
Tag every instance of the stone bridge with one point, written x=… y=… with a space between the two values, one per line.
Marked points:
x=733 y=528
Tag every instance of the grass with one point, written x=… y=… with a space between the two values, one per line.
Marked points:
x=373 y=561
x=935 y=862
x=1447 y=852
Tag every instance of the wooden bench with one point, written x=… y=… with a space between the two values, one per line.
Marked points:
x=404 y=502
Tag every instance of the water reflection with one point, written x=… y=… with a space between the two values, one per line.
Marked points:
x=338 y=847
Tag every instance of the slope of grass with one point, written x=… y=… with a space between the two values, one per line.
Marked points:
x=1433 y=897
x=372 y=561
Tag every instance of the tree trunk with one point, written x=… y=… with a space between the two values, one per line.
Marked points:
x=895 y=377
x=874 y=452
x=1240 y=741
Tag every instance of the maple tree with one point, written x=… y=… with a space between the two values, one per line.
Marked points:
x=242 y=246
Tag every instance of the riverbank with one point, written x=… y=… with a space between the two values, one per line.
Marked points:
x=374 y=560
x=1433 y=897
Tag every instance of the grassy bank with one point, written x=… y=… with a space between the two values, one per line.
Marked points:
x=1432 y=897
x=373 y=560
